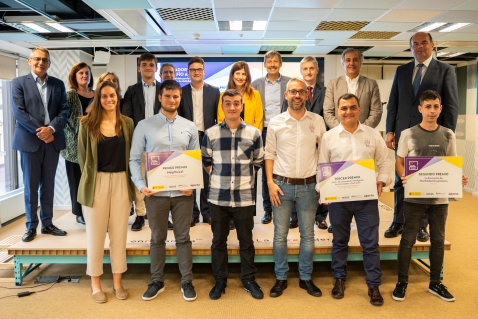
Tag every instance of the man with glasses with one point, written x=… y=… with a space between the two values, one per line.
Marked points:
x=199 y=105
x=291 y=166
x=41 y=110
x=167 y=71
x=271 y=88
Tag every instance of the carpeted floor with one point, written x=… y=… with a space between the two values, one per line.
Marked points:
x=73 y=300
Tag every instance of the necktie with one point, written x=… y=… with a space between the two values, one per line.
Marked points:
x=309 y=93
x=418 y=79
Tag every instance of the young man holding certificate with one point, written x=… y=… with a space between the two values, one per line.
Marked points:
x=166 y=131
x=351 y=141
x=425 y=139
x=232 y=153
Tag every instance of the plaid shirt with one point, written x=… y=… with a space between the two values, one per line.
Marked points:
x=235 y=157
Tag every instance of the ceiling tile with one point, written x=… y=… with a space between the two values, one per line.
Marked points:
x=240 y=49
x=457 y=16
x=389 y=48
x=469 y=5
x=457 y=36
x=425 y=5
x=341 y=25
x=191 y=25
x=406 y=54
x=368 y=4
x=181 y=4
x=19 y=37
x=471 y=28
x=291 y=25
x=396 y=15
x=379 y=53
x=189 y=35
x=256 y=14
x=306 y=3
x=232 y=5
x=382 y=35
x=390 y=26
x=333 y=41
x=298 y=15
x=407 y=35
x=354 y=14
x=186 y=14
x=318 y=49
x=460 y=49
x=202 y=49
x=330 y=34
x=236 y=35
x=118 y=4
x=286 y=34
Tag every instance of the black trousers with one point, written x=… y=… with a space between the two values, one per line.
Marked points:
x=73 y=173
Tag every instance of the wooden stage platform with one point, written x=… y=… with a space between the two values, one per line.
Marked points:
x=71 y=249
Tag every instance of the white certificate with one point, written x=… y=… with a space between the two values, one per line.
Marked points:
x=433 y=177
x=347 y=181
x=174 y=170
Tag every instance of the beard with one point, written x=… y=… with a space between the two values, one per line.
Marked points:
x=296 y=108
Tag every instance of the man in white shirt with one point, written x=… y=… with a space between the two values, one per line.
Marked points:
x=291 y=166
x=350 y=141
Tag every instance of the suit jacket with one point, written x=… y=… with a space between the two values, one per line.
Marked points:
x=133 y=102
x=402 y=107
x=29 y=112
x=367 y=93
x=260 y=85
x=317 y=101
x=88 y=160
x=209 y=104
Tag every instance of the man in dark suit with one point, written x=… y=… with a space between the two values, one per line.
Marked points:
x=199 y=104
x=271 y=88
x=141 y=102
x=40 y=109
x=424 y=73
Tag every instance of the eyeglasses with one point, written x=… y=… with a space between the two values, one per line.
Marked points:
x=294 y=92
x=196 y=70
x=38 y=59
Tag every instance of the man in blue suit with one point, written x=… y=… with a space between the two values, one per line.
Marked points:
x=199 y=103
x=41 y=110
x=425 y=73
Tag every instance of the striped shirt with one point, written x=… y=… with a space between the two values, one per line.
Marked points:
x=235 y=157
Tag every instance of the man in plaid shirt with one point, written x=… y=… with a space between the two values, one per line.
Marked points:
x=232 y=153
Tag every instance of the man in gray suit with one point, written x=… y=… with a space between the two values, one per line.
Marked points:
x=402 y=109
x=271 y=88
x=352 y=82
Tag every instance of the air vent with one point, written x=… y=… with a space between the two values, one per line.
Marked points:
x=197 y=14
x=374 y=35
x=341 y=25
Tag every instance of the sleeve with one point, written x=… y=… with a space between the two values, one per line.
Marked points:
x=82 y=142
x=392 y=105
x=59 y=121
x=449 y=99
x=258 y=156
x=216 y=101
x=376 y=109
x=72 y=122
x=451 y=151
x=138 y=146
x=271 y=143
x=329 y=106
x=19 y=110
x=220 y=112
x=324 y=156
x=128 y=102
x=194 y=140
x=382 y=160
x=206 y=150
x=402 y=148
x=258 y=111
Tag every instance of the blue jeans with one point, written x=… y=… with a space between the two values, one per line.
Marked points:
x=414 y=213
x=304 y=198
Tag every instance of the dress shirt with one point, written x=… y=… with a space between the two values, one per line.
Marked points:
x=149 y=93
x=352 y=84
x=271 y=99
x=425 y=63
x=42 y=89
x=235 y=156
x=158 y=134
x=198 y=116
x=340 y=145
x=292 y=144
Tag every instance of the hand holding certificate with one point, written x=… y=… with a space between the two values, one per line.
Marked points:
x=347 y=181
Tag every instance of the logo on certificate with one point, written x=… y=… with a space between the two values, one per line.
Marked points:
x=413 y=165
x=326 y=171
x=155 y=160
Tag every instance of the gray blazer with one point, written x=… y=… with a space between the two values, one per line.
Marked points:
x=369 y=100
x=259 y=85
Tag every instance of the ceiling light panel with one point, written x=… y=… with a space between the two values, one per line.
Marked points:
x=454 y=27
x=59 y=27
x=430 y=26
x=235 y=25
x=36 y=27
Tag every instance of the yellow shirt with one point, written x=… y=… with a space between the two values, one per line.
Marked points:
x=253 y=111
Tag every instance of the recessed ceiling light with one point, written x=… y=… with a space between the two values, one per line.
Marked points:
x=235 y=25
x=454 y=26
x=259 y=25
x=431 y=27
x=59 y=27
x=36 y=27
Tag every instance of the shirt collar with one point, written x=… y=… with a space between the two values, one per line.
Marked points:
x=152 y=84
x=165 y=119
x=360 y=127
x=224 y=125
x=426 y=62
x=200 y=89
x=36 y=77
x=276 y=81
x=289 y=117
x=349 y=80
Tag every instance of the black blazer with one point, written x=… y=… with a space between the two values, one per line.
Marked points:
x=317 y=101
x=133 y=102
x=210 y=101
x=402 y=107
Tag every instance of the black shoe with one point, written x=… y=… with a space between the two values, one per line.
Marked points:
x=423 y=235
x=29 y=235
x=231 y=224
x=439 y=290
x=194 y=221
x=189 y=294
x=338 y=290
x=267 y=218
x=138 y=223
x=254 y=289
x=170 y=225
x=399 y=292
x=153 y=290
x=217 y=291
x=53 y=230
x=206 y=221
x=131 y=212
x=293 y=224
x=329 y=230
x=80 y=220
x=394 y=230
x=375 y=296
x=312 y=289
x=321 y=224
x=278 y=288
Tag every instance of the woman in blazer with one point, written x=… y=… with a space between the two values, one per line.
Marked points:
x=105 y=190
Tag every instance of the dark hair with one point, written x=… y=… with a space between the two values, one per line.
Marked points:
x=348 y=50
x=164 y=65
x=429 y=35
x=170 y=85
x=429 y=95
x=72 y=83
x=195 y=59
x=348 y=96
x=231 y=92
x=272 y=53
x=241 y=65
x=146 y=57
x=92 y=120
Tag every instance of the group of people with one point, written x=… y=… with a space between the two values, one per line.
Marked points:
x=284 y=125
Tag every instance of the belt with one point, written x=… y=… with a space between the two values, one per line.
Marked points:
x=295 y=181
